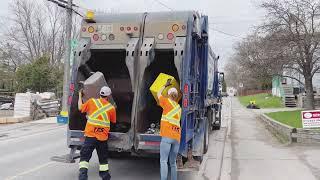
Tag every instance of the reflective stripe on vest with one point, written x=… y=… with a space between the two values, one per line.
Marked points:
x=169 y=117
x=101 y=110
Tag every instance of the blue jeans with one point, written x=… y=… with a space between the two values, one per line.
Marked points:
x=169 y=149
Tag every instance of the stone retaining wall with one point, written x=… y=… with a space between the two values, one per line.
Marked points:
x=282 y=131
x=307 y=136
x=290 y=134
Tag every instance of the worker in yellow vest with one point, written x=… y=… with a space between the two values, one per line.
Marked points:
x=100 y=112
x=170 y=131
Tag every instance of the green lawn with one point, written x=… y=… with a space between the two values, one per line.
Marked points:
x=262 y=100
x=291 y=118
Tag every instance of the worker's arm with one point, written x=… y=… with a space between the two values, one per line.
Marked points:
x=80 y=103
x=168 y=83
x=113 y=116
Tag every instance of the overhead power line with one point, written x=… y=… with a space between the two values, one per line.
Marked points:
x=65 y=2
x=164 y=5
x=225 y=33
x=219 y=31
x=65 y=6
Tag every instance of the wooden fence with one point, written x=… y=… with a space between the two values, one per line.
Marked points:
x=252 y=92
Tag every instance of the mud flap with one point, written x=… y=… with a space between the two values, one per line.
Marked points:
x=120 y=142
x=68 y=158
x=75 y=140
x=198 y=139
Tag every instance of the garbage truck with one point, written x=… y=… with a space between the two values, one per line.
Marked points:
x=131 y=50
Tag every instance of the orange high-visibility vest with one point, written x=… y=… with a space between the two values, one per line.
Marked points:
x=174 y=115
x=101 y=111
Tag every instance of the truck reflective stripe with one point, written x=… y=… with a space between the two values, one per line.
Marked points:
x=104 y=167
x=83 y=164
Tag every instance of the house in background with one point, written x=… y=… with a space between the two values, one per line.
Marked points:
x=292 y=91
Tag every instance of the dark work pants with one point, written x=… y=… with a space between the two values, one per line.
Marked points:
x=85 y=155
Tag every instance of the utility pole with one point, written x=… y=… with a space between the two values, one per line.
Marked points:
x=66 y=74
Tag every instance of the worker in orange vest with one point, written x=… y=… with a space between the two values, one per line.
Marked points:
x=100 y=112
x=170 y=131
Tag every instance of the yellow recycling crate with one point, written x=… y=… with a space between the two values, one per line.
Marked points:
x=160 y=82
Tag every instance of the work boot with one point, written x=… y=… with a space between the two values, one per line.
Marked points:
x=105 y=175
x=83 y=174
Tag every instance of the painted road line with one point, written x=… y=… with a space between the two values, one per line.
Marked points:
x=45 y=131
x=30 y=170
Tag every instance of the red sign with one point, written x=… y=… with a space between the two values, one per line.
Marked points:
x=310 y=119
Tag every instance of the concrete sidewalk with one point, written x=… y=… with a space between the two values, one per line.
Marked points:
x=257 y=155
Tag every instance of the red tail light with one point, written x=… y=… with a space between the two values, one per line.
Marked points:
x=121 y=28
x=71 y=87
x=95 y=37
x=128 y=28
x=135 y=28
x=170 y=36
x=84 y=29
x=69 y=100
x=186 y=89
x=185 y=102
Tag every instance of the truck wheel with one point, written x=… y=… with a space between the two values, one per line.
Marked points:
x=217 y=122
x=211 y=119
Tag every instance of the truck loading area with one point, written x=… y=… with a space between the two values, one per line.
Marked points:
x=149 y=110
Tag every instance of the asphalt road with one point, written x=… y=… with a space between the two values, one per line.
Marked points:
x=26 y=149
x=26 y=152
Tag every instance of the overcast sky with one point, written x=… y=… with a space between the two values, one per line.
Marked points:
x=233 y=17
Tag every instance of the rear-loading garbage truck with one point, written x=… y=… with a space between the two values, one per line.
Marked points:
x=131 y=50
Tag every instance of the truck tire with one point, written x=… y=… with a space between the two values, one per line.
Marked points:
x=211 y=119
x=217 y=122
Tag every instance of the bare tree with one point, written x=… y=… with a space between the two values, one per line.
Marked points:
x=256 y=60
x=35 y=29
x=296 y=24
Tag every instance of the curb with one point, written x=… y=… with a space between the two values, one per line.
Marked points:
x=10 y=120
x=281 y=131
x=289 y=134
x=226 y=164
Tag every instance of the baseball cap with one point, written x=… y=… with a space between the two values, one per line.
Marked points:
x=105 y=91
x=172 y=90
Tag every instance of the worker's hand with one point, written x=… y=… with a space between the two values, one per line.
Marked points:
x=168 y=83
x=80 y=92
